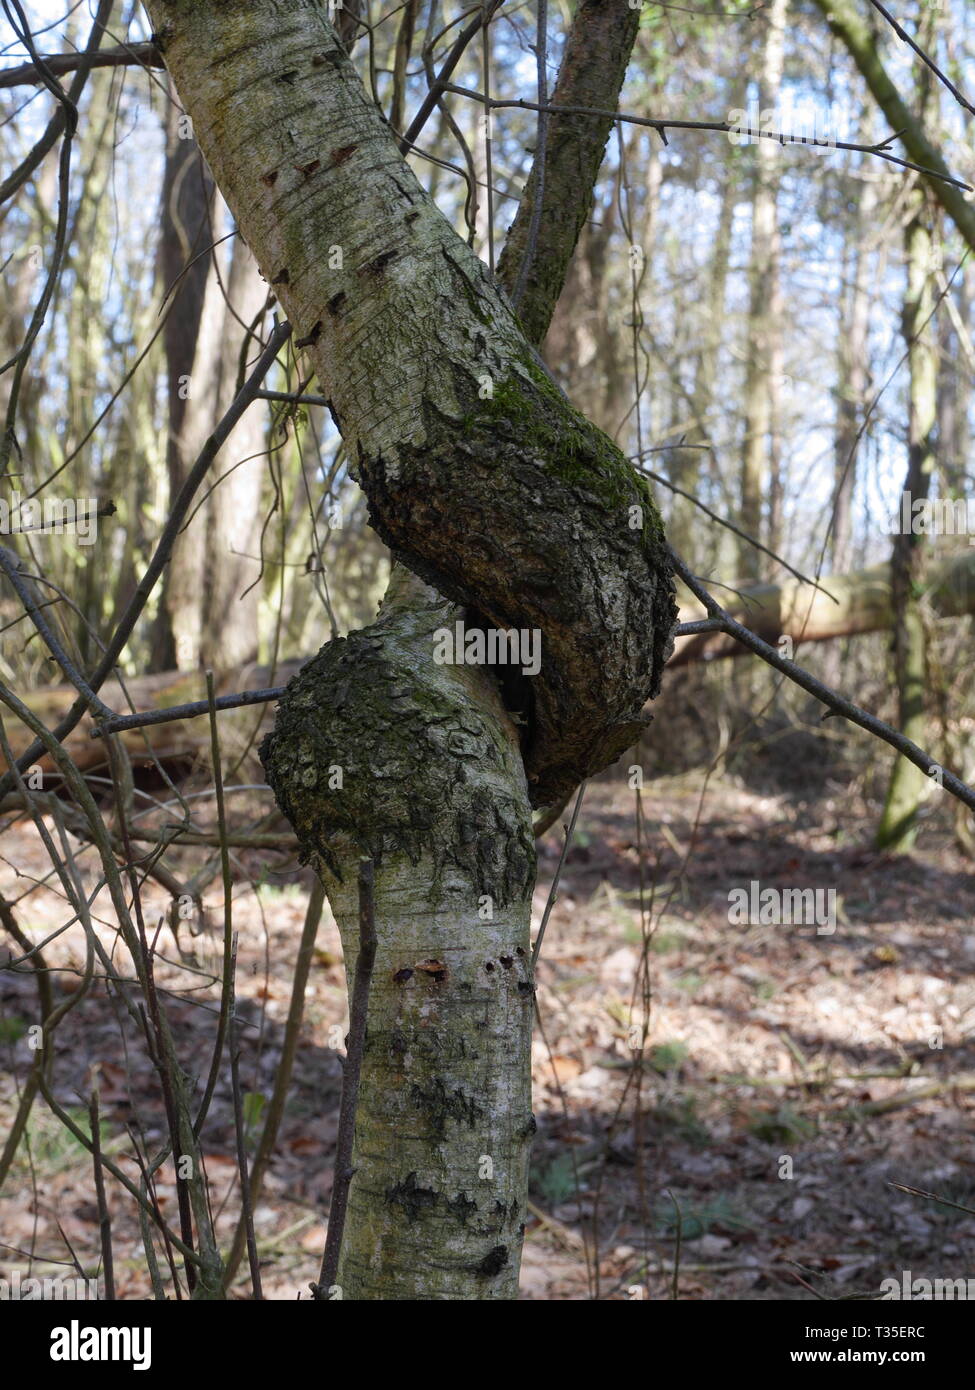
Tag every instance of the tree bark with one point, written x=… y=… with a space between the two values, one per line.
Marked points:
x=488 y=486
x=591 y=74
x=444 y=1123
x=763 y=329
x=905 y=793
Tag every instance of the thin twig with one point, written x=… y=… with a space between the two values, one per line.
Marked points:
x=931 y=1197
x=282 y=1076
x=104 y=1217
x=121 y=723
x=730 y=526
x=146 y=55
x=163 y=553
x=905 y=37
x=441 y=85
x=226 y=993
x=553 y=891
x=881 y=149
x=246 y=1204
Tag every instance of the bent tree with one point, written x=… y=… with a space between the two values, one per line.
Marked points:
x=503 y=507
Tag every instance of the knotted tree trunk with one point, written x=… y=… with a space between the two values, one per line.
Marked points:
x=508 y=508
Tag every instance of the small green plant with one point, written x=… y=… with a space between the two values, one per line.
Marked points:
x=663 y=942
x=668 y=1056
x=680 y=1117
x=689 y=983
x=696 y=1220
x=12 y=1029
x=53 y=1148
x=781 y=1126
x=555 y=1181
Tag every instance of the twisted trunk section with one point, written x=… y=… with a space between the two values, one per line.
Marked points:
x=488 y=486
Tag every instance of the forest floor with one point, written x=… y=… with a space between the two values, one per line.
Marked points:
x=790 y=1077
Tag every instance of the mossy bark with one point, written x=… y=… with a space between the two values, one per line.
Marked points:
x=597 y=51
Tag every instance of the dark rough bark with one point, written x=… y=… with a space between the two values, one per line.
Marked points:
x=523 y=511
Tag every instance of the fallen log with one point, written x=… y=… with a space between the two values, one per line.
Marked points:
x=851 y=604
x=183 y=741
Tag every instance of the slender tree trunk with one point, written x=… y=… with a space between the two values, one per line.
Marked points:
x=687 y=463
x=853 y=375
x=212 y=562
x=898 y=823
x=183 y=268
x=852 y=384
x=591 y=74
x=231 y=591
x=763 y=273
x=859 y=29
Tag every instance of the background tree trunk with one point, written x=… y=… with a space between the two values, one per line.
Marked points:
x=898 y=821
x=763 y=352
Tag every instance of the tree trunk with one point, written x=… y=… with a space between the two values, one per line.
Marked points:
x=212 y=562
x=231 y=592
x=853 y=374
x=591 y=74
x=444 y=1123
x=860 y=38
x=898 y=822
x=763 y=328
x=487 y=484
x=183 y=268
